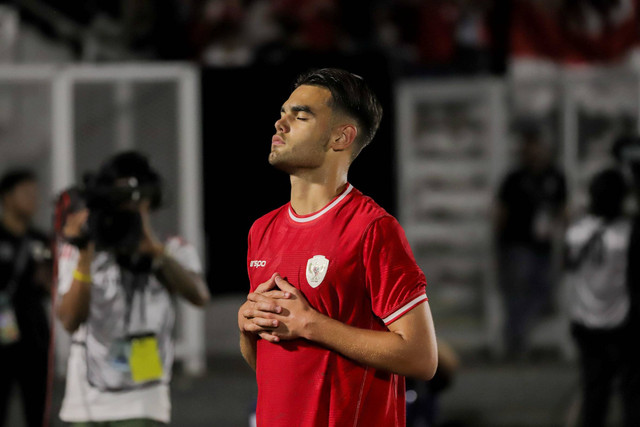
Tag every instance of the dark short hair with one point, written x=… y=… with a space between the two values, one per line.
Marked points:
x=350 y=95
x=15 y=177
x=607 y=191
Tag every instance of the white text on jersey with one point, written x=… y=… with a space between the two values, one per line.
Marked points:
x=257 y=263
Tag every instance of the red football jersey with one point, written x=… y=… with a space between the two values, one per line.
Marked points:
x=352 y=262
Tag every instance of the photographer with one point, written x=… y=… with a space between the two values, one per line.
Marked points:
x=116 y=282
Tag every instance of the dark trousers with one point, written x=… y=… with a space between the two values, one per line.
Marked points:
x=526 y=285
x=25 y=367
x=608 y=362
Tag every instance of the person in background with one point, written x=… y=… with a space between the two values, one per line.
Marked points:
x=530 y=208
x=25 y=281
x=597 y=247
x=117 y=281
x=423 y=397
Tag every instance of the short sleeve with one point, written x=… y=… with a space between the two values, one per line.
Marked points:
x=185 y=253
x=249 y=259
x=67 y=262
x=394 y=281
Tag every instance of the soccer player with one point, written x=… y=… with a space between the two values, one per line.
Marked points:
x=337 y=313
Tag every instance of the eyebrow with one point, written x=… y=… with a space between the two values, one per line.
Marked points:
x=299 y=109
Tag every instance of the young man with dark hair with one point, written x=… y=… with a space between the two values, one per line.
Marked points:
x=25 y=271
x=337 y=313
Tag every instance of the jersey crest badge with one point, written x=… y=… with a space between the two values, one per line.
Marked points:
x=316 y=270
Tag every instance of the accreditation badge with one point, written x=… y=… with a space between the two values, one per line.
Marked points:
x=145 y=362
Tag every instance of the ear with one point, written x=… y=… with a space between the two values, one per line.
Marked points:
x=343 y=137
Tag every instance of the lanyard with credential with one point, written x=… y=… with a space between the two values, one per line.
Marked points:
x=132 y=283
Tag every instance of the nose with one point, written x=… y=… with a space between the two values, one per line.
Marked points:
x=281 y=125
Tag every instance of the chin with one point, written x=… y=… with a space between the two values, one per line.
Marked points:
x=279 y=163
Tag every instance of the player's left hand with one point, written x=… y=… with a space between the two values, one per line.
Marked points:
x=295 y=317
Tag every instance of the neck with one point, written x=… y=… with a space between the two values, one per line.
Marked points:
x=14 y=223
x=311 y=195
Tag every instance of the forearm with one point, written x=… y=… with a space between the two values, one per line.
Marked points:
x=73 y=309
x=386 y=350
x=248 y=344
x=178 y=279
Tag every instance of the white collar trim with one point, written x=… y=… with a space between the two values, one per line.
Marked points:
x=323 y=211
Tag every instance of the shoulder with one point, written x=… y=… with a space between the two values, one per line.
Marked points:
x=184 y=252
x=267 y=219
x=582 y=228
x=510 y=181
x=364 y=211
x=513 y=175
x=176 y=242
x=66 y=252
x=622 y=225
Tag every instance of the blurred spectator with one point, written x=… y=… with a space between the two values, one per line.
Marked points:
x=423 y=397
x=597 y=248
x=25 y=278
x=314 y=23
x=436 y=36
x=529 y=208
x=219 y=34
x=116 y=282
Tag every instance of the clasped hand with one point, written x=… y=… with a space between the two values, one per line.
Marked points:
x=276 y=314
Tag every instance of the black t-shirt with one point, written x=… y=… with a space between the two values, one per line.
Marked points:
x=532 y=201
x=29 y=297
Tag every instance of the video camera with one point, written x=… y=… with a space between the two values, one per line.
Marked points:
x=112 y=197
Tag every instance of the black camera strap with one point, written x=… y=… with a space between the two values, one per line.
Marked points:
x=594 y=246
x=133 y=281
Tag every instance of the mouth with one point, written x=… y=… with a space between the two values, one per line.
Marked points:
x=277 y=141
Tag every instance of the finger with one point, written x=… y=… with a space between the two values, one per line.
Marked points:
x=284 y=285
x=251 y=313
x=269 y=337
x=277 y=294
x=253 y=328
x=268 y=285
x=265 y=304
x=265 y=323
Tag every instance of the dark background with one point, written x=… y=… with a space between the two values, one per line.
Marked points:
x=239 y=109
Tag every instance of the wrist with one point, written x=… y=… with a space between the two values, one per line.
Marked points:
x=159 y=254
x=158 y=250
x=82 y=277
x=313 y=325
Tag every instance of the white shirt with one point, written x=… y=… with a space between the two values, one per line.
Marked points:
x=83 y=402
x=598 y=291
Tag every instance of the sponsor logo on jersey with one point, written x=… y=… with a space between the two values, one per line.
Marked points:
x=316 y=270
x=256 y=263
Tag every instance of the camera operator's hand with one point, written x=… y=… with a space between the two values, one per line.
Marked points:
x=75 y=224
x=149 y=244
x=170 y=272
x=75 y=230
x=73 y=308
